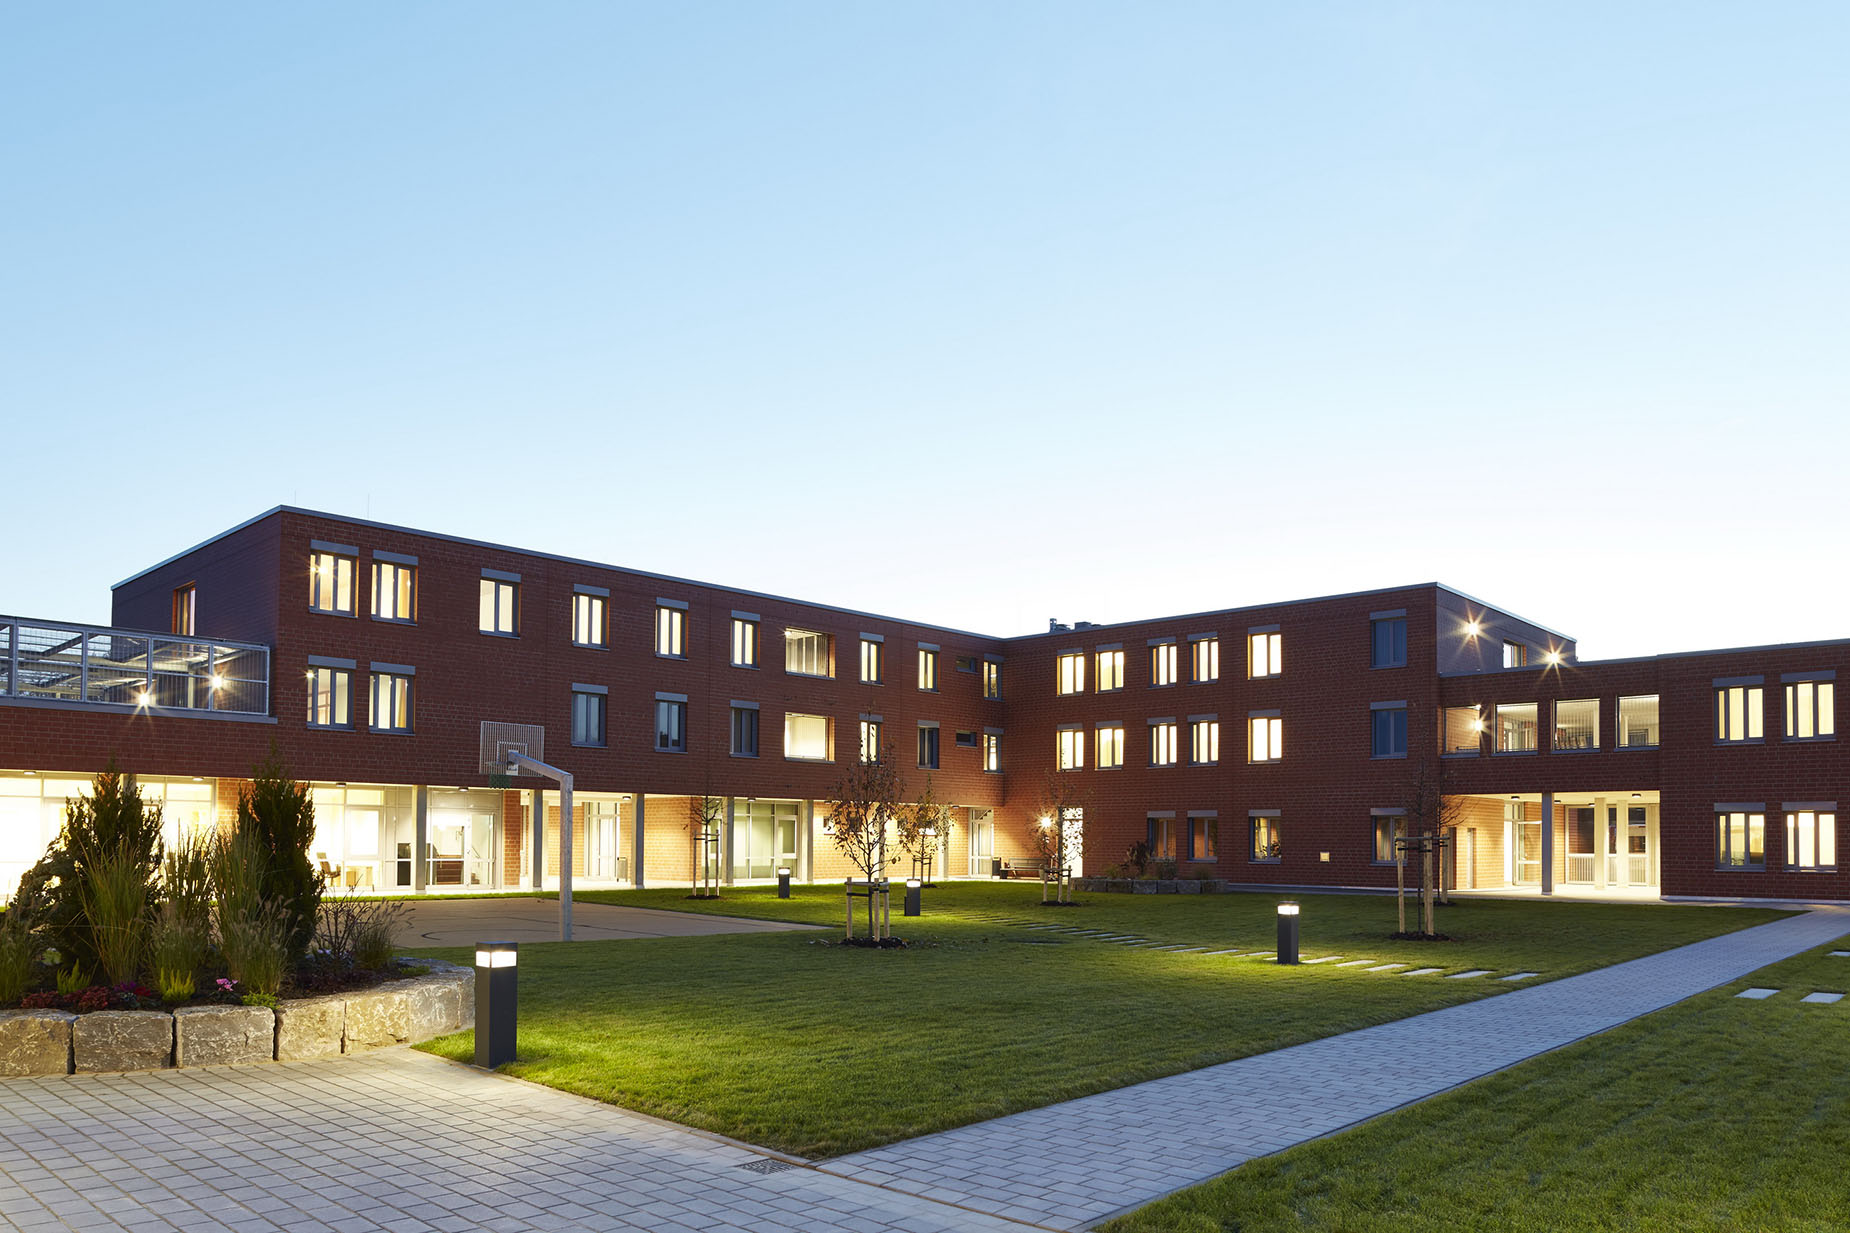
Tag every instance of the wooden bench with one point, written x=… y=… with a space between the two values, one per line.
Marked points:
x=1019 y=867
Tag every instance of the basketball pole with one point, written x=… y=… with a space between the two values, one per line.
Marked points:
x=516 y=761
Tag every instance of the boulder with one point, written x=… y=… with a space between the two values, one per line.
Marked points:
x=1168 y=886
x=35 y=1042
x=1118 y=886
x=1188 y=886
x=1143 y=886
x=433 y=1007
x=377 y=1018
x=222 y=1035
x=122 y=1040
x=310 y=1028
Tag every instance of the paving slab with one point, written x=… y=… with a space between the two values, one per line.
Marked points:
x=1757 y=995
x=464 y=922
x=1822 y=999
x=1520 y=976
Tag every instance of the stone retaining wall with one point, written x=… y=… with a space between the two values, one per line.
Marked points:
x=1154 y=886
x=56 y=1042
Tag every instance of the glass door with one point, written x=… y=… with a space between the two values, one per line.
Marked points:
x=1580 y=836
x=603 y=839
x=1637 y=847
x=982 y=842
x=764 y=838
x=461 y=850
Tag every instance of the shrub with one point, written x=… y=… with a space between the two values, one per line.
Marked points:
x=276 y=816
x=180 y=947
x=73 y=980
x=1200 y=872
x=1137 y=860
x=253 y=931
x=359 y=931
x=372 y=942
x=1163 y=870
x=18 y=955
x=115 y=899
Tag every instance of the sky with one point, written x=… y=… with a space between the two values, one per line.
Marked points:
x=977 y=314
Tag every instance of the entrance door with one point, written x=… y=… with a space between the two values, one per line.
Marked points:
x=1637 y=846
x=1524 y=840
x=982 y=842
x=764 y=838
x=603 y=841
x=461 y=849
x=1471 y=858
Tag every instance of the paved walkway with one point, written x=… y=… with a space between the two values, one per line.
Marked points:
x=1071 y=1165
x=464 y=922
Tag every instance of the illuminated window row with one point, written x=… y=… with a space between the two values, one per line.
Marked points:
x=1197 y=839
x=1516 y=727
x=1810 y=836
x=330 y=694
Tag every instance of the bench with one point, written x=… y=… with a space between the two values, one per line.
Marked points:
x=1019 y=867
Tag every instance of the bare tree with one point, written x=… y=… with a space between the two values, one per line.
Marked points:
x=704 y=813
x=1432 y=820
x=924 y=830
x=1057 y=831
x=863 y=803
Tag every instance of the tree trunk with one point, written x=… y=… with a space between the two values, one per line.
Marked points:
x=1426 y=871
x=1400 y=886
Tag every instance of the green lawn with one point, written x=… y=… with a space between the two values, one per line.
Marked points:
x=792 y=1042
x=1715 y=1114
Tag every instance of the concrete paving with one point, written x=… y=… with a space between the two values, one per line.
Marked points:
x=464 y=922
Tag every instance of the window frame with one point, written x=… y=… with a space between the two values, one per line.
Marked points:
x=343 y=561
x=871 y=726
x=1724 y=816
x=1498 y=729
x=1069 y=673
x=1204 y=659
x=1204 y=838
x=873 y=660
x=1265 y=656
x=1272 y=741
x=928 y=669
x=1394 y=654
x=1165 y=664
x=670 y=723
x=828 y=738
x=493 y=589
x=670 y=629
x=183 y=617
x=1819 y=711
x=930 y=745
x=591 y=614
x=336 y=702
x=992 y=679
x=992 y=751
x=822 y=642
x=745 y=641
x=1818 y=812
x=402 y=688
x=1204 y=731
x=1751 y=712
x=743 y=720
x=1621 y=739
x=590 y=702
x=1108 y=741
x=400 y=581
x=1396 y=822
x=1070 y=748
x=1268 y=824
x=1556 y=730
x=1114 y=656
x=1391 y=716
x=1165 y=736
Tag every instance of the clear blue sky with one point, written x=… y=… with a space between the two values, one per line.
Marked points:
x=976 y=313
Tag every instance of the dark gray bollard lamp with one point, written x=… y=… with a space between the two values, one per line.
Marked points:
x=496 y=998
x=912 y=896
x=1287 y=932
x=783 y=883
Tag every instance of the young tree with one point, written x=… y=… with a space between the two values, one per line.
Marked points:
x=863 y=803
x=277 y=817
x=1432 y=820
x=924 y=830
x=1057 y=832
x=704 y=813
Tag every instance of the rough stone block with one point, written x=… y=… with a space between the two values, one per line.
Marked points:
x=377 y=1018
x=310 y=1028
x=1118 y=886
x=122 y=1040
x=35 y=1042
x=1188 y=886
x=1168 y=886
x=465 y=989
x=1143 y=886
x=223 y=1035
x=432 y=1007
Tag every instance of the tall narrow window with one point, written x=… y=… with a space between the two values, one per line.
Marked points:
x=330 y=582
x=670 y=630
x=670 y=724
x=1072 y=673
x=928 y=746
x=500 y=606
x=330 y=697
x=391 y=701
x=1267 y=845
x=394 y=591
x=870 y=741
x=1110 y=671
x=1811 y=710
x=744 y=731
x=744 y=642
x=1203 y=741
x=1740 y=839
x=184 y=610
x=873 y=661
x=1161 y=836
x=992 y=752
x=808 y=653
x=1388 y=642
x=992 y=679
x=1389 y=730
x=1164 y=664
x=1268 y=737
x=1072 y=749
x=587 y=716
x=1515 y=655
x=1388 y=828
x=1739 y=713
x=588 y=619
x=928 y=669
x=1205 y=654
x=1163 y=743
x=1265 y=653
x=1811 y=839
x=1110 y=740
x=1203 y=837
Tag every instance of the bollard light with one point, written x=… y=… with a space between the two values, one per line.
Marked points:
x=496 y=998
x=783 y=883
x=1287 y=932
x=912 y=896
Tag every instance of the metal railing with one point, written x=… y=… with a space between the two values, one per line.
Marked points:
x=120 y=668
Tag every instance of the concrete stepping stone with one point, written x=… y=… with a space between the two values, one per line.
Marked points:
x=1822 y=999
x=1263 y=954
x=1519 y=976
x=1839 y=954
x=1354 y=963
x=1234 y=951
x=1756 y=994
x=1188 y=950
x=1468 y=975
x=1387 y=967
x=1422 y=971
x=1325 y=959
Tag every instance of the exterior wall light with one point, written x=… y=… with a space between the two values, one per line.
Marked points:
x=783 y=882
x=1473 y=629
x=218 y=682
x=143 y=698
x=1288 y=932
x=913 y=896
x=497 y=992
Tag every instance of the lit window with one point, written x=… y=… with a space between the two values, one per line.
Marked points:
x=1164 y=664
x=1161 y=837
x=1203 y=837
x=1740 y=840
x=1515 y=655
x=928 y=746
x=1576 y=725
x=1739 y=711
x=184 y=610
x=1110 y=671
x=670 y=631
x=1811 y=710
x=1203 y=741
x=1464 y=729
x=1072 y=675
x=1072 y=746
x=671 y=724
x=587 y=716
x=588 y=619
x=1389 y=731
x=1516 y=727
x=928 y=669
x=1811 y=840
x=744 y=642
x=1388 y=642
x=500 y=606
x=873 y=661
x=1388 y=828
x=330 y=583
x=1268 y=738
x=394 y=591
x=391 y=702
x=806 y=738
x=992 y=679
x=330 y=697
x=1265 y=654
x=1638 y=722
x=745 y=731
x=1110 y=740
x=1163 y=738
x=1206 y=656
x=992 y=752
x=1266 y=846
x=807 y=653
x=870 y=741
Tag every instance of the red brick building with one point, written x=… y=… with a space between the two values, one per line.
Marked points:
x=1285 y=744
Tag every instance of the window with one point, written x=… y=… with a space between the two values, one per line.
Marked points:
x=807 y=653
x=1203 y=836
x=992 y=679
x=1110 y=741
x=928 y=669
x=1515 y=655
x=1464 y=729
x=1740 y=839
x=807 y=738
x=744 y=641
x=1163 y=750
x=966 y=663
x=744 y=731
x=1516 y=727
x=1638 y=722
x=873 y=661
x=330 y=582
x=1072 y=673
x=391 y=701
x=588 y=703
x=394 y=591
x=966 y=740
x=670 y=629
x=1266 y=846
x=1268 y=737
x=1265 y=654
x=1164 y=664
x=1161 y=832
x=588 y=618
x=870 y=741
x=1576 y=725
x=671 y=723
x=1389 y=642
x=1811 y=710
x=1072 y=748
x=1388 y=828
x=992 y=752
x=330 y=697
x=1811 y=839
x=184 y=610
x=1389 y=725
x=1110 y=671
x=1739 y=711
x=500 y=606
x=1205 y=655
x=1203 y=742
x=928 y=746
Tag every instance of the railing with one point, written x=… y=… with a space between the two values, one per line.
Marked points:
x=118 y=668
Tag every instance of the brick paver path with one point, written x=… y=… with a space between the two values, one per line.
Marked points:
x=1070 y=1165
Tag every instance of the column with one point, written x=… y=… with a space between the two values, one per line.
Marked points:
x=806 y=848
x=1548 y=843
x=725 y=845
x=1602 y=843
x=636 y=846
x=536 y=828
x=420 y=840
